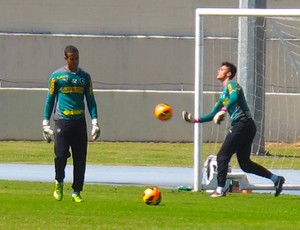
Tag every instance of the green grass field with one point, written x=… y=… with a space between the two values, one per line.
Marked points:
x=26 y=205
x=146 y=154
x=30 y=205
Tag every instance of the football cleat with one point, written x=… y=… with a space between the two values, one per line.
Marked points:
x=77 y=198
x=58 y=191
x=279 y=185
x=217 y=194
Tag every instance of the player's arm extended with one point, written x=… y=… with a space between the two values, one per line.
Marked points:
x=210 y=116
x=205 y=118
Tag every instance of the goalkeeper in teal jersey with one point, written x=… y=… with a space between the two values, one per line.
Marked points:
x=68 y=86
x=241 y=134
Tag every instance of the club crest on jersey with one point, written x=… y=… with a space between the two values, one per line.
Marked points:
x=82 y=81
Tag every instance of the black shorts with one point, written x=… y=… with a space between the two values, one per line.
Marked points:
x=70 y=134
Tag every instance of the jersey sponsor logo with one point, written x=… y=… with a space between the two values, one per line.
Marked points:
x=62 y=77
x=73 y=112
x=74 y=81
x=72 y=89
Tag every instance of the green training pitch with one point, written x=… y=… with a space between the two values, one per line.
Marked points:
x=145 y=154
x=30 y=205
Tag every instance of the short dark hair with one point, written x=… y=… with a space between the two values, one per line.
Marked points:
x=70 y=49
x=231 y=67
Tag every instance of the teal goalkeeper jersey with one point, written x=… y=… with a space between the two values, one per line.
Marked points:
x=232 y=98
x=66 y=94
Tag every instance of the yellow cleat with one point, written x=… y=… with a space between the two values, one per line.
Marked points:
x=58 y=191
x=77 y=198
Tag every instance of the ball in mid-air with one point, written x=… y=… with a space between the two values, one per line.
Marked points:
x=152 y=196
x=163 y=112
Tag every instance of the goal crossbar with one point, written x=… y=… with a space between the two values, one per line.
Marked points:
x=247 y=12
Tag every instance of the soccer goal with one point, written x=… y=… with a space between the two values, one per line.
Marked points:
x=265 y=45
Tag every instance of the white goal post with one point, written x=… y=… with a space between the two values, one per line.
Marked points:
x=201 y=13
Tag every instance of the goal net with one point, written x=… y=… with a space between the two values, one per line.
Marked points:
x=265 y=46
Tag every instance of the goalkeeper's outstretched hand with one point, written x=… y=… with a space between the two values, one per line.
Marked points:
x=188 y=117
x=47 y=131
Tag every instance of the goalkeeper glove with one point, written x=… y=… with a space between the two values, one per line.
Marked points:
x=220 y=116
x=95 y=129
x=189 y=117
x=47 y=131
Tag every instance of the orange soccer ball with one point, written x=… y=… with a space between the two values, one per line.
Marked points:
x=152 y=196
x=163 y=112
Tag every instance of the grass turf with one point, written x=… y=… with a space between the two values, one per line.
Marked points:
x=286 y=156
x=30 y=205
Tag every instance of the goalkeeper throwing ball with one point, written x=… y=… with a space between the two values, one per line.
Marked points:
x=68 y=86
x=241 y=134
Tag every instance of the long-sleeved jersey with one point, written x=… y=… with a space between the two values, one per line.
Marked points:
x=233 y=99
x=66 y=94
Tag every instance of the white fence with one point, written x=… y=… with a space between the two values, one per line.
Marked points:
x=128 y=116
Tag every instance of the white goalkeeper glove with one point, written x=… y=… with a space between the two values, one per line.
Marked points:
x=47 y=131
x=220 y=116
x=189 y=117
x=95 y=129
